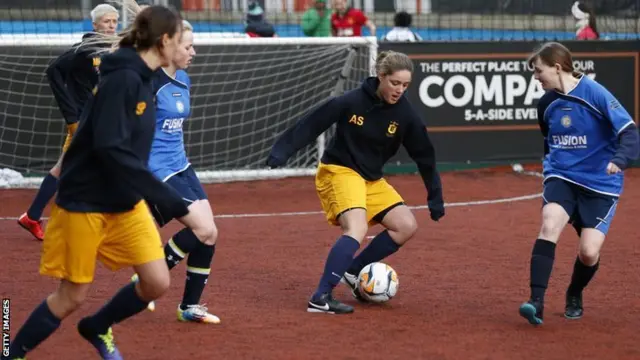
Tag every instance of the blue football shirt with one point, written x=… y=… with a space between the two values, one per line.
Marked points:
x=581 y=132
x=168 y=155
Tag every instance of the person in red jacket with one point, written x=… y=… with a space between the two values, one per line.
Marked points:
x=586 y=21
x=347 y=21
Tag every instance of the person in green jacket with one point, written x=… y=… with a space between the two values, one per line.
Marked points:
x=316 y=21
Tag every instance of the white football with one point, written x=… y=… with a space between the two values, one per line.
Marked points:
x=378 y=282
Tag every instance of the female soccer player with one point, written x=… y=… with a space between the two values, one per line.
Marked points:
x=168 y=161
x=72 y=77
x=100 y=212
x=372 y=122
x=589 y=139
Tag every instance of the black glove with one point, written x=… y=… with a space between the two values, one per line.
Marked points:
x=273 y=162
x=436 y=206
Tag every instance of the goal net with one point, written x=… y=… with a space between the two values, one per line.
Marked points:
x=245 y=93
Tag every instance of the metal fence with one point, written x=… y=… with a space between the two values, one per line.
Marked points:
x=433 y=20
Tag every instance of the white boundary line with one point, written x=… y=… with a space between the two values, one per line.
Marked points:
x=305 y=213
x=421 y=207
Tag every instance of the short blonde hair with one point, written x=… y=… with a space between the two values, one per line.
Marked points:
x=101 y=10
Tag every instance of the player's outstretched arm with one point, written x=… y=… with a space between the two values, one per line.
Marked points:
x=57 y=73
x=113 y=125
x=304 y=131
x=421 y=150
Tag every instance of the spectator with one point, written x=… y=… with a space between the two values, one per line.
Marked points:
x=585 y=21
x=401 y=31
x=347 y=21
x=256 y=24
x=316 y=21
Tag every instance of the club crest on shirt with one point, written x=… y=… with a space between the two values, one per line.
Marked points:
x=141 y=107
x=565 y=121
x=180 y=106
x=96 y=64
x=391 y=130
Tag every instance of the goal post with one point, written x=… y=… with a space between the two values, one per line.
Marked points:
x=245 y=93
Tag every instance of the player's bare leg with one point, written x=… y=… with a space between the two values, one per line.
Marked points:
x=554 y=219
x=354 y=226
x=46 y=318
x=30 y=220
x=196 y=242
x=400 y=225
x=200 y=221
x=153 y=282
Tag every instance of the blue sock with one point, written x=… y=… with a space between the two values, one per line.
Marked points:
x=47 y=190
x=380 y=247
x=123 y=305
x=38 y=327
x=339 y=259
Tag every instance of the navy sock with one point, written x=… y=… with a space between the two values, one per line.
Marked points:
x=198 y=269
x=380 y=247
x=339 y=259
x=581 y=276
x=542 y=258
x=123 y=305
x=181 y=244
x=38 y=327
x=47 y=190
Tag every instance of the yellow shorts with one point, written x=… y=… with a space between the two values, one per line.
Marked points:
x=73 y=242
x=340 y=188
x=71 y=129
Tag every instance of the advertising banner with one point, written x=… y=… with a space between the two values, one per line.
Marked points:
x=479 y=100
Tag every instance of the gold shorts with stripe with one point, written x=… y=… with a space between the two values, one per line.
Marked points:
x=74 y=241
x=71 y=129
x=340 y=188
